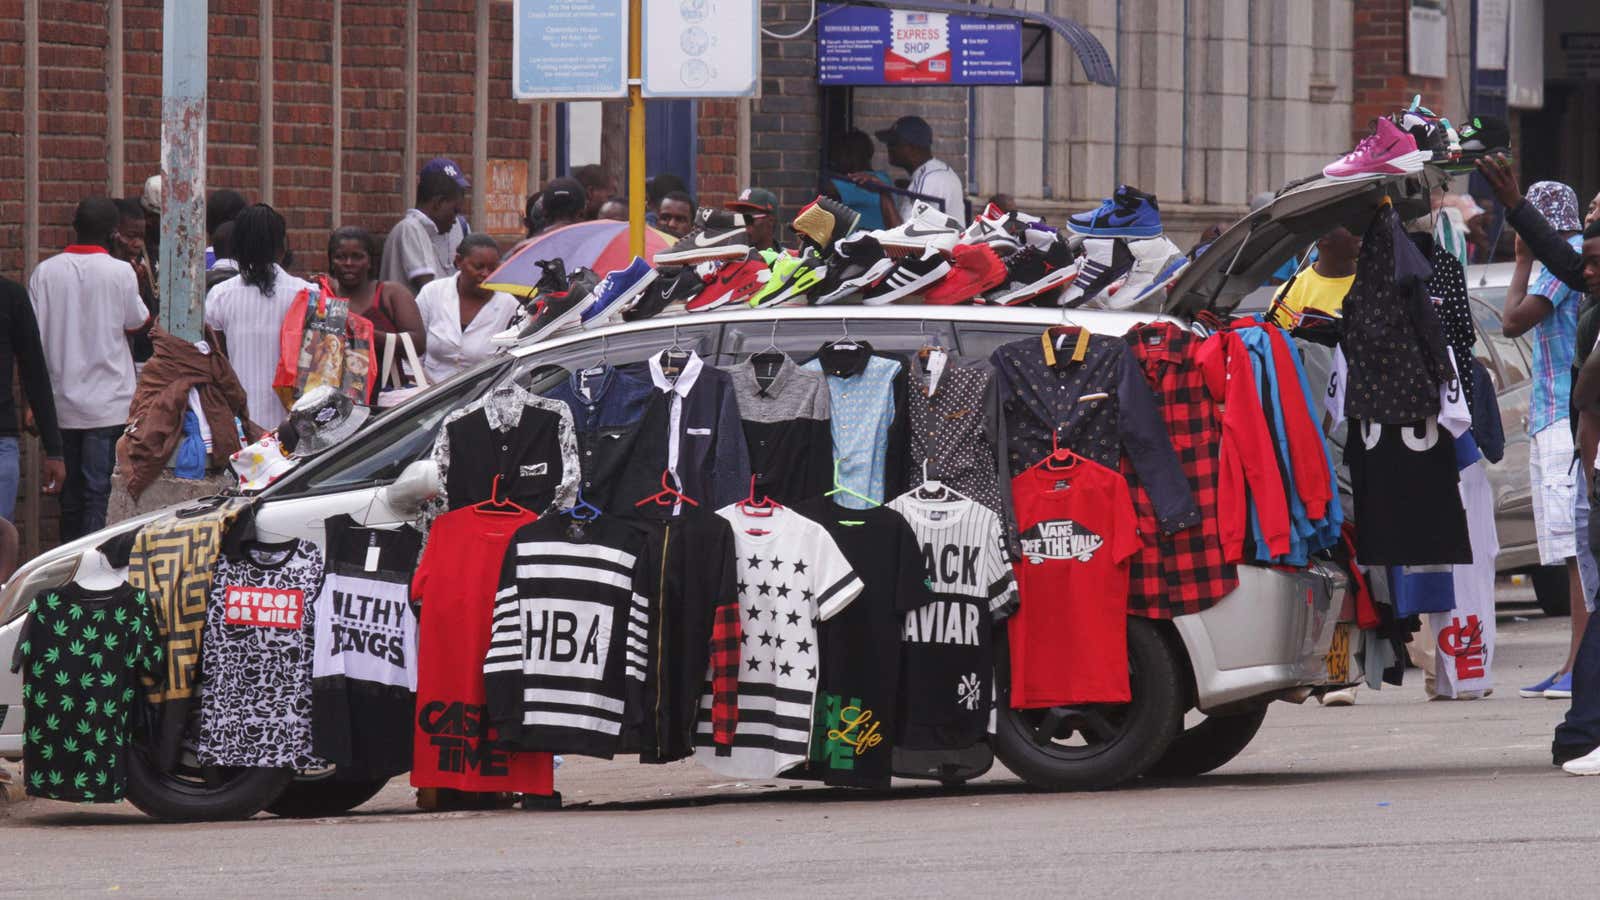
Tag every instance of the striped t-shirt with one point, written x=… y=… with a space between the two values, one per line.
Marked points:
x=570 y=633
x=251 y=321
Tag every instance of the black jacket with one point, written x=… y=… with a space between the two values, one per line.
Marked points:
x=19 y=343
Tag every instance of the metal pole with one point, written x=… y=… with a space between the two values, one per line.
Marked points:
x=635 y=133
x=183 y=165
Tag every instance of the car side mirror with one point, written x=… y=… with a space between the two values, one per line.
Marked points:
x=417 y=484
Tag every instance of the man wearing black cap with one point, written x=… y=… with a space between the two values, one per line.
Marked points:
x=910 y=144
x=564 y=201
x=760 y=207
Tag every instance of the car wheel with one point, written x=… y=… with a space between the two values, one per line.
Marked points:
x=195 y=793
x=1552 y=590
x=315 y=794
x=1100 y=745
x=1210 y=744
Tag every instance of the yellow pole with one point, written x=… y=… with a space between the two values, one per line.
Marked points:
x=635 y=133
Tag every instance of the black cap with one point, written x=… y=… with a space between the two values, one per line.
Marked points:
x=912 y=130
x=564 y=197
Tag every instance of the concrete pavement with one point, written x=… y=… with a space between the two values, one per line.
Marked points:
x=1391 y=797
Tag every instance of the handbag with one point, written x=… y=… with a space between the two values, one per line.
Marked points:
x=322 y=343
x=392 y=389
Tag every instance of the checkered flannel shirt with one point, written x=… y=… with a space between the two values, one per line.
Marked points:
x=726 y=635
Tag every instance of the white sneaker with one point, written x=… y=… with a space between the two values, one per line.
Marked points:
x=1583 y=765
x=926 y=226
x=1346 y=697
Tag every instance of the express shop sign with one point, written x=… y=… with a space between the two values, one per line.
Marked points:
x=859 y=45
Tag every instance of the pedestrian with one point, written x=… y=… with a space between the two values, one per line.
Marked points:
x=675 y=214
x=760 y=209
x=564 y=203
x=1550 y=310
x=615 y=209
x=656 y=190
x=388 y=306
x=460 y=315
x=598 y=185
x=247 y=310
x=1321 y=286
x=127 y=244
x=422 y=245
x=221 y=207
x=226 y=266
x=22 y=352
x=910 y=144
x=853 y=179
x=87 y=303
x=150 y=199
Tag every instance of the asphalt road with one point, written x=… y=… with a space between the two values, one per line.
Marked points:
x=1392 y=797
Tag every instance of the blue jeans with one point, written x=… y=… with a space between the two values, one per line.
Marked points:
x=90 y=455
x=1579 y=732
x=1588 y=570
x=10 y=476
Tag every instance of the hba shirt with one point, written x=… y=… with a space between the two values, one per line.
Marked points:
x=853 y=738
x=1069 y=637
x=791 y=574
x=454 y=744
x=947 y=644
x=569 y=635
x=364 y=670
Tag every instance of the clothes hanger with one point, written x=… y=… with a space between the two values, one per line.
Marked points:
x=769 y=358
x=668 y=495
x=845 y=342
x=1061 y=458
x=839 y=488
x=675 y=357
x=928 y=345
x=935 y=490
x=497 y=505
x=581 y=509
x=759 y=507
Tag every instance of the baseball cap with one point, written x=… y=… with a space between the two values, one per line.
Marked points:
x=448 y=167
x=754 y=200
x=913 y=130
x=564 y=196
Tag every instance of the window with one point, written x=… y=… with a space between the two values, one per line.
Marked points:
x=800 y=338
x=1510 y=366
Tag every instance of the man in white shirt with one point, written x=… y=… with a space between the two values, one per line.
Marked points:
x=909 y=142
x=422 y=245
x=87 y=304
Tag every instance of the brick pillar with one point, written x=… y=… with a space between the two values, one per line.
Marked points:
x=1379 y=63
x=717 y=167
x=786 y=124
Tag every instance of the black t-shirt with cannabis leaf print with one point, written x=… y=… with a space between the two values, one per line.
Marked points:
x=81 y=653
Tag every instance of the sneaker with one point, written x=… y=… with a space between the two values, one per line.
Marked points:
x=823 y=222
x=974 y=268
x=858 y=263
x=618 y=292
x=908 y=276
x=1483 y=135
x=1034 y=275
x=926 y=227
x=1346 y=697
x=1536 y=691
x=718 y=234
x=1129 y=212
x=1432 y=133
x=576 y=289
x=735 y=281
x=559 y=310
x=673 y=284
x=1561 y=689
x=994 y=227
x=1151 y=258
x=1104 y=261
x=1583 y=765
x=781 y=268
x=1386 y=151
x=792 y=278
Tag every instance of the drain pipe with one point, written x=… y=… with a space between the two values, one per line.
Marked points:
x=1116 y=117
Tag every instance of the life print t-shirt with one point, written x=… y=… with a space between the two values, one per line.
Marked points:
x=947 y=650
x=791 y=574
x=255 y=687
x=364 y=669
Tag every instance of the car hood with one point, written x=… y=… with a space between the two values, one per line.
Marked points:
x=1247 y=254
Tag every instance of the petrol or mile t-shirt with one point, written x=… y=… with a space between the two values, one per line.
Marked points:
x=947 y=652
x=364 y=670
x=453 y=744
x=853 y=736
x=1069 y=637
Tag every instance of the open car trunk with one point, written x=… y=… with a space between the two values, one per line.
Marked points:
x=1247 y=254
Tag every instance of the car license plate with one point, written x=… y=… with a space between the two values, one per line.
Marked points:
x=1339 y=655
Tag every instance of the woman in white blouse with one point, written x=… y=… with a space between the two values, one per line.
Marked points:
x=459 y=314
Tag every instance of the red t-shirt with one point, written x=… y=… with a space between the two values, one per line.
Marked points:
x=1069 y=636
x=453 y=745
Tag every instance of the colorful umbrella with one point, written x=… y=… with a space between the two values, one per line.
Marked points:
x=600 y=245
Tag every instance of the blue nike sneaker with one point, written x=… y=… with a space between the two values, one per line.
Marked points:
x=617 y=293
x=1537 y=690
x=1129 y=213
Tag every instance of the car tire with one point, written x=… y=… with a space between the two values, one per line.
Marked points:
x=1552 y=591
x=1210 y=744
x=201 y=795
x=312 y=796
x=1115 y=743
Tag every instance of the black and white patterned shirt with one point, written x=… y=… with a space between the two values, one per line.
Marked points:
x=786 y=416
x=954 y=427
x=502 y=410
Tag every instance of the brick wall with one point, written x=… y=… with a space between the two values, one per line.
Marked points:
x=11 y=158
x=1379 y=46
x=302 y=113
x=72 y=110
x=717 y=164
x=785 y=123
x=376 y=189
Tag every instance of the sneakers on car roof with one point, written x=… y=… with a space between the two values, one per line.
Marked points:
x=927 y=227
x=1388 y=150
x=718 y=234
x=1129 y=212
x=823 y=222
x=673 y=284
x=1033 y=274
x=617 y=293
x=994 y=227
x=974 y=268
x=1104 y=261
x=734 y=281
x=909 y=275
x=858 y=263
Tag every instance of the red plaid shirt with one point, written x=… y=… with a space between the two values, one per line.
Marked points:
x=726 y=635
x=1186 y=572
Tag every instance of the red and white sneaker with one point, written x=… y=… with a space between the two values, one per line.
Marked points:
x=974 y=268
x=1388 y=150
x=735 y=281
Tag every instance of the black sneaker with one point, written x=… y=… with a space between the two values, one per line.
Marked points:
x=858 y=263
x=1035 y=276
x=1432 y=133
x=1483 y=135
x=1104 y=261
x=718 y=234
x=677 y=284
x=909 y=276
x=823 y=222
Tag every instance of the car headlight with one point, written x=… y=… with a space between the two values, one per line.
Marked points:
x=56 y=567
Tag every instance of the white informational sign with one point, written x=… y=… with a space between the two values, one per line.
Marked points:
x=569 y=49
x=701 y=48
x=1491 y=38
x=1428 y=47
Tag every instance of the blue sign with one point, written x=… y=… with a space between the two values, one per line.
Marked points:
x=569 y=49
x=866 y=45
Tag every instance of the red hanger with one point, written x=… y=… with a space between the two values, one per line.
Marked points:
x=1060 y=457
x=757 y=506
x=668 y=495
x=497 y=505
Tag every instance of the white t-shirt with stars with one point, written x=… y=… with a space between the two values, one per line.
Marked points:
x=791 y=576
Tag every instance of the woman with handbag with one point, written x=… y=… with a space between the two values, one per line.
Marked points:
x=388 y=306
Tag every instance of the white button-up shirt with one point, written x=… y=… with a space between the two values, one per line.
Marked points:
x=452 y=348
